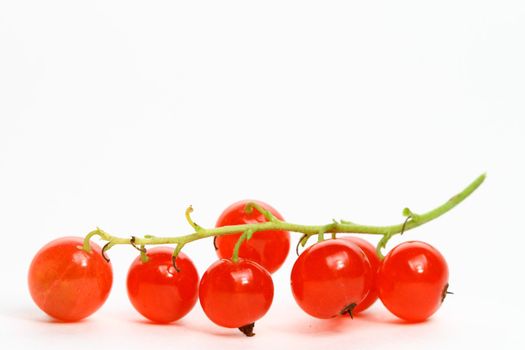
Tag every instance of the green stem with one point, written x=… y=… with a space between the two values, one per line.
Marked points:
x=307 y=230
x=244 y=237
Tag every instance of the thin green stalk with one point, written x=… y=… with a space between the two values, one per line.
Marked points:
x=273 y=223
x=244 y=237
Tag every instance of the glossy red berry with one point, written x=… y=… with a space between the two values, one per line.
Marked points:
x=267 y=248
x=157 y=290
x=235 y=295
x=67 y=282
x=413 y=280
x=331 y=278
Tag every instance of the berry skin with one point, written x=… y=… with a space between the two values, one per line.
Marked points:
x=157 y=290
x=235 y=295
x=267 y=248
x=331 y=278
x=67 y=282
x=370 y=252
x=413 y=281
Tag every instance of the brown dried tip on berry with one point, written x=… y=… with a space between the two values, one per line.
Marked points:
x=348 y=309
x=444 y=293
x=248 y=330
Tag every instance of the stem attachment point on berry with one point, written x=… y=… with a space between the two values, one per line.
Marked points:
x=174 y=256
x=246 y=235
x=382 y=244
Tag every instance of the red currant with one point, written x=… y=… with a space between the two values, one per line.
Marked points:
x=267 y=248
x=235 y=295
x=413 y=280
x=67 y=282
x=331 y=278
x=157 y=290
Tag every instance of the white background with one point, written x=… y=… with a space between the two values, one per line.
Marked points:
x=120 y=114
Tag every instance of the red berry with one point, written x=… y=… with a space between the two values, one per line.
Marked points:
x=267 y=248
x=413 y=281
x=370 y=252
x=331 y=278
x=234 y=295
x=67 y=282
x=157 y=290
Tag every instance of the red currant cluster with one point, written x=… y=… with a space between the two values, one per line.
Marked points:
x=331 y=278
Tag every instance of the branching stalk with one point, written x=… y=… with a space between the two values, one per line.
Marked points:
x=247 y=230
